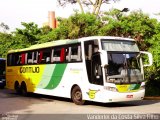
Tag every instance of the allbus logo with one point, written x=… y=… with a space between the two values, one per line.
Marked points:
x=29 y=69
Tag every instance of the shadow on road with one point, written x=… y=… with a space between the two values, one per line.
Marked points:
x=10 y=101
x=124 y=104
x=5 y=93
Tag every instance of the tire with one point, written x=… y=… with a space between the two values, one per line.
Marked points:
x=76 y=96
x=23 y=89
x=17 y=88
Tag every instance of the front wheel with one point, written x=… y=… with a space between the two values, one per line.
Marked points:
x=76 y=96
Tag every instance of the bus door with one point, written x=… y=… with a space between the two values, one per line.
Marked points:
x=93 y=62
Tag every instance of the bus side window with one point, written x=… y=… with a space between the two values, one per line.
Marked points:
x=76 y=53
x=15 y=59
x=68 y=54
x=62 y=56
x=79 y=54
x=10 y=60
x=19 y=59
x=56 y=55
x=40 y=56
x=46 y=57
x=30 y=56
x=35 y=57
x=23 y=55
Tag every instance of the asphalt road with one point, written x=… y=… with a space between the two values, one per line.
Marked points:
x=44 y=106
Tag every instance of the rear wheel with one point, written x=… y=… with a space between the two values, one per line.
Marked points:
x=17 y=87
x=76 y=96
x=24 y=89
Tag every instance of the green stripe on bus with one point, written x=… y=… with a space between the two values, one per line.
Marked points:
x=46 y=77
x=56 y=76
x=134 y=86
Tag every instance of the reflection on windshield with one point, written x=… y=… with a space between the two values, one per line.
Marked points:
x=123 y=68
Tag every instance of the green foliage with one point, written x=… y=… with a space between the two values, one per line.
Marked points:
x=5 y=43
x=152 y=73
x=8 y=42
x=83 y=25
x=29 y=33
x=136 y=25
x=76 y=26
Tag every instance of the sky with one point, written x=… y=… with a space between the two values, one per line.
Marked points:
x=13 y=12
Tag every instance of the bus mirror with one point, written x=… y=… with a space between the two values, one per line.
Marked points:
x=104 y=59
x=150 y=58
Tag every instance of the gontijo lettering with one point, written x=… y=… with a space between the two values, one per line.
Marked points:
x=29 y=69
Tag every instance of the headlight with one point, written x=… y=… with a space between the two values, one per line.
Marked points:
x=111 y=88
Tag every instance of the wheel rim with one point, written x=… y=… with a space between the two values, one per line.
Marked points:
x=78 y=96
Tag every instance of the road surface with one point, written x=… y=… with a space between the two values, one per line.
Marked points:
x=11 y=103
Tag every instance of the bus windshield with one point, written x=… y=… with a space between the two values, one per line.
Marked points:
x=124 y=67
x=119 y=45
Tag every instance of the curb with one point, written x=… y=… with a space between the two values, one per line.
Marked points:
x=152 y=98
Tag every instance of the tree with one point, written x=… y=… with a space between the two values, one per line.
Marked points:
x=82 y=25
x=136 y=25
x=76 y=26
x=29 y=34
x=6 y=43
x=152 y=73
x=95 y=4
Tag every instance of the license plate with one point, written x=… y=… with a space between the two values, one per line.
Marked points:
x=129 y=96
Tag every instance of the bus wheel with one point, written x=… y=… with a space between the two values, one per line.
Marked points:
x=24 y=89
x=76 y=96
x=17 y=87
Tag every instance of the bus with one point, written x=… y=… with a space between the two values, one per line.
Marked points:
x=2 y=72
x=97 y=68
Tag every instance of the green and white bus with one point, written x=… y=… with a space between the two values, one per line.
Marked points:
x=98 y=68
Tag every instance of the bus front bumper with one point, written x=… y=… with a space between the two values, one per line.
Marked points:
x=122 y=97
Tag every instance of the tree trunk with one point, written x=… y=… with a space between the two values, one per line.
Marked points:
x=98 y=7
x=80 y=4
x=95 y=5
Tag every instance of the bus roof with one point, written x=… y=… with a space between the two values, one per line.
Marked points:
x=68 y=41
x=106 y=37
x=47 y=44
